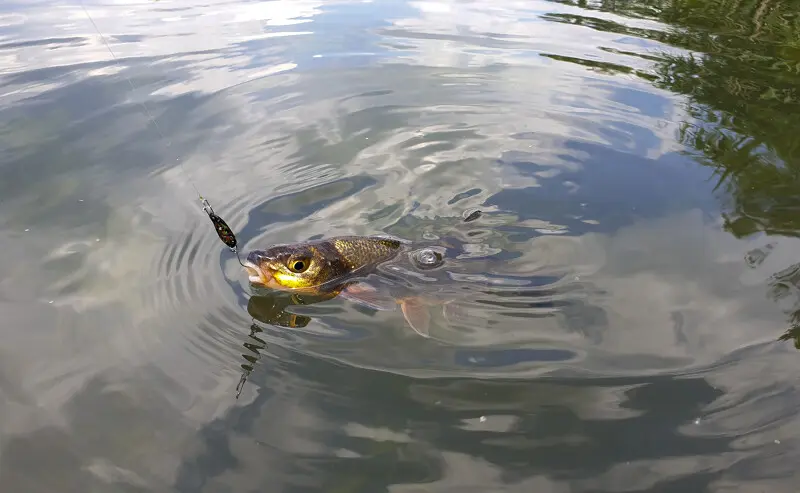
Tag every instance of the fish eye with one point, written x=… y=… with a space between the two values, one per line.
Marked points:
x=298 y=265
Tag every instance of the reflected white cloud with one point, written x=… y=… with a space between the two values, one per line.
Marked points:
x=465 y=473
x=152 y=29
x=431 y=122
x=483 y=32
x=671 y=287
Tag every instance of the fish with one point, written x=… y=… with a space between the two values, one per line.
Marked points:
x=336 y=266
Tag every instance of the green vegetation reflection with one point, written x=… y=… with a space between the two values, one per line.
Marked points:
x=741 y=74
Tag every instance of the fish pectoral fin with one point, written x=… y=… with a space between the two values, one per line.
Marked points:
x=417 y=315
x=455 y=314
x=367 y=295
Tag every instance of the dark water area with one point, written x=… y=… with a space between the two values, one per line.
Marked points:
x=628 y=302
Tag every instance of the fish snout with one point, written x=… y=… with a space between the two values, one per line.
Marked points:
x=256 y=257
x=253 y=265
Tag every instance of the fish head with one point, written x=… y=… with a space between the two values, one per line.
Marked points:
x=296 y=267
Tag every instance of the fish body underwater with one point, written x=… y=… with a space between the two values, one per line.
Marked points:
x=334 y=267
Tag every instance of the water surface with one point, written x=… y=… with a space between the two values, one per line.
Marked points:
x=630 y=300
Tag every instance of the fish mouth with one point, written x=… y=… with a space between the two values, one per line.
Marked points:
x=256 y=274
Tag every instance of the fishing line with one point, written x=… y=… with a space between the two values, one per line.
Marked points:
x=222 y=229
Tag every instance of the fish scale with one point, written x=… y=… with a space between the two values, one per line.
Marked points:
x=356 y=251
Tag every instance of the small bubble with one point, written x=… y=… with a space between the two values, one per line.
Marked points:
x=482 y=419
x=80 y=200
x=27 y=229
x=697 y=421
x=50 y=302
x=97 y=239
x=427 y=258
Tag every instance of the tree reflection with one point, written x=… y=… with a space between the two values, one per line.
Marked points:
x=743 y=91
x=741 y=77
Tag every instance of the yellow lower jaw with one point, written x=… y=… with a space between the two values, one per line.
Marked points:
x=289 y=281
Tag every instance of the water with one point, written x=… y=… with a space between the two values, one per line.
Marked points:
x=627 y=285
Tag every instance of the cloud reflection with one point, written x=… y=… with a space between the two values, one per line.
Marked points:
x=453 y=108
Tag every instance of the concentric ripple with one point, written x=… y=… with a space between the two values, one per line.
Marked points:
x=570 y=164
x=608 y=320
x=533 y=278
